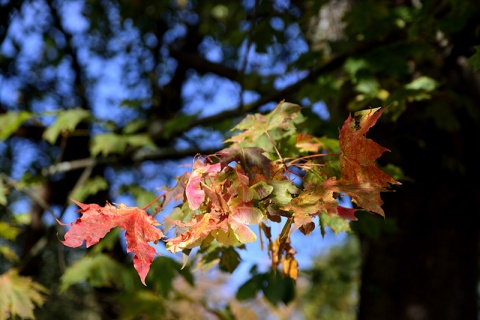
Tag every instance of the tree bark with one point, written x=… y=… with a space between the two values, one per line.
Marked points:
x=428 y=267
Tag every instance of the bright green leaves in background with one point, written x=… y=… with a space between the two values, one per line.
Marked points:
x=65 y=124
x=110 y=143
x=11 y=121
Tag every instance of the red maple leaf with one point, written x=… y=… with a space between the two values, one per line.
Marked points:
x=97 y=221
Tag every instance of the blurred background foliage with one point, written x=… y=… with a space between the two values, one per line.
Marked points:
x=102 y=100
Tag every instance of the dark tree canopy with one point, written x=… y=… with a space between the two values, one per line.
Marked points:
x=101 y=100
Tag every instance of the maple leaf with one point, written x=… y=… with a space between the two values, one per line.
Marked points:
x=314 y=201
x=359 y=173
x=258 y=129
x=307 y=143
x=198 y=228
x=193 y=190
x=97 y=221
x=229 y=208
x=19 y=295
x=176 y=193
x=247 y=157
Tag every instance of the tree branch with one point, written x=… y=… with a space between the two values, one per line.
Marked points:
x=202 y=65
x=138 y=156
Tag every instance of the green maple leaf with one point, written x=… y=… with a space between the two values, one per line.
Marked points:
x=259 y=130
x=11 y=121
x=66 y=121
x=98 y=270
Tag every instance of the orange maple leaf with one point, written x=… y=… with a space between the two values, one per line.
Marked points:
x=360 y=176
x=97 y=221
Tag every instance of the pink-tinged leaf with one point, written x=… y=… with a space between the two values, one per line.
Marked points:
x=246 y=213
x=197 y=229
x=193 y=191
x=97 y=221
x=93 y=225
x=242 y=186
x=243 y=233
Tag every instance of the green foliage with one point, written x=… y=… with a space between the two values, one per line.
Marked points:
x=474 y=60
x=142 y=196
x=275 y=288
x=10 y=121
x=90 y=187
x=372 y=226
x=66 y=122
x=111 y=143
x=164 y=270
x=3 y=197
x=8 y=231
x=334 y=282
x=97 y=270
x=335 y=223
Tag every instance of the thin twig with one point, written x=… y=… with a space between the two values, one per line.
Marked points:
x=32 y=195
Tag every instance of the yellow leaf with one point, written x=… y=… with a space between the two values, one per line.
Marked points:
x=290 y=267
x=19 y=295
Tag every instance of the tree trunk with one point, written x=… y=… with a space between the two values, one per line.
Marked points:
x=426 y=268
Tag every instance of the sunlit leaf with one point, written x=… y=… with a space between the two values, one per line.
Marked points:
x=19 y=295
x=11 y=121
x=3 y=193
x=90 y=187
x=8 y=231
x=8 y=253
x=67 y=121
x=336 y=223
x=107 y=143
x=97 y=270
x=96 y=222
x=422 y=83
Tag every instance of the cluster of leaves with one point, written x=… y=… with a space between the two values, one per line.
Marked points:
x=270 y=173
x=19 y=294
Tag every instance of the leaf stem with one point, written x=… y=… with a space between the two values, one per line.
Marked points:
x=154 y=200
x=314 y=156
